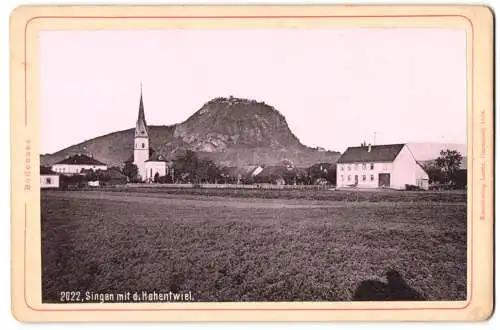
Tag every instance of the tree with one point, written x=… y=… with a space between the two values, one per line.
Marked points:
x=91 y=175
x=449 y=163
x=130 y=171
x=435 y=174
x=185 y=166
x=206 y=171
x=193 y=169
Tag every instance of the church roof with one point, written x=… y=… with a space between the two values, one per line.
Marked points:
x=141 y=128
x=378 y=153
x=156 y=157
x=80 y=159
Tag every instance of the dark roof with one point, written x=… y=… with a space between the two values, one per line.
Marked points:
x=235 y=171
x=80 y=159
x=276 y=170
x=156 y=157
x=378 y=153
x=141 y=128
x=46 y=170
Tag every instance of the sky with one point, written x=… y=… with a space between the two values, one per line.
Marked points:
x=336 y=87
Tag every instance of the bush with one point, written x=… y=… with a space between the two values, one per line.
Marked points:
x=165 y=179
x=412 y=187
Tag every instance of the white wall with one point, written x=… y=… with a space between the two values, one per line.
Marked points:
x=360 y=171
x=141 y=155
x=407 y=171
x=151 y=168
x=75 y=169
x=257 y=171
x=49 y=181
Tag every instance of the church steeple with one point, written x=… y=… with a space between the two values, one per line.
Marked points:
x=141 y=142
x=141 y=128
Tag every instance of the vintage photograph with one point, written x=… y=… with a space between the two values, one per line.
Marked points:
x=253 y=165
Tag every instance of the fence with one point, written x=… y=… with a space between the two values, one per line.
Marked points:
x=264 y=186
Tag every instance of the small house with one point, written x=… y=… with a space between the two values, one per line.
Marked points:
x=48 y=178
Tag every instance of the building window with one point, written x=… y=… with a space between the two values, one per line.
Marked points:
x=372 y=166
x=143 y=145
x=341 y=167
x=48 y=180
x=348 y=167
x=364 y=166
x=63 y=169
x=342 y=178
x=355 y=167
x=364 y=177
x=372 y=177
x=348 y=178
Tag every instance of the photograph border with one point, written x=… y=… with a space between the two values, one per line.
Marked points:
x=27 y=21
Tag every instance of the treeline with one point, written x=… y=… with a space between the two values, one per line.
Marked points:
x=189 y=168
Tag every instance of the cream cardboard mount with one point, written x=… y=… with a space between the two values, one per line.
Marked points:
x=101 y=235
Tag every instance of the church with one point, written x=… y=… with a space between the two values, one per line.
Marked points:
x=149 y=164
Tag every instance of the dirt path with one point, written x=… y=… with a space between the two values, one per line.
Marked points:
x=217 y=201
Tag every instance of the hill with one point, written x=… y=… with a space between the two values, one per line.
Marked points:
x=431 y=150
x=231 y=131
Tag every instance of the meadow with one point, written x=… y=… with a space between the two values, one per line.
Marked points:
x=225 y=245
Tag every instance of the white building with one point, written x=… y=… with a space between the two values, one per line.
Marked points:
x=380 y=166
x=156 y=164
x=76 y=163
x=48 y=179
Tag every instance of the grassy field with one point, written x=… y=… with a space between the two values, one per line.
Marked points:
x=276 y=246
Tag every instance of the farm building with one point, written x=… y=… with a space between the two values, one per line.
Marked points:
x=380 y=166
x=75 y=164
x=48 y=178
x=277 y=174
x=238 y=174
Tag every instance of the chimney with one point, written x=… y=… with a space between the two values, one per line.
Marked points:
x=369 y=148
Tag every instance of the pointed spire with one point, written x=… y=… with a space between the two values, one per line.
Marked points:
x=141 y=128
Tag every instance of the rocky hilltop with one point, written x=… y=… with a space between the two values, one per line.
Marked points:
x=231 y=131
